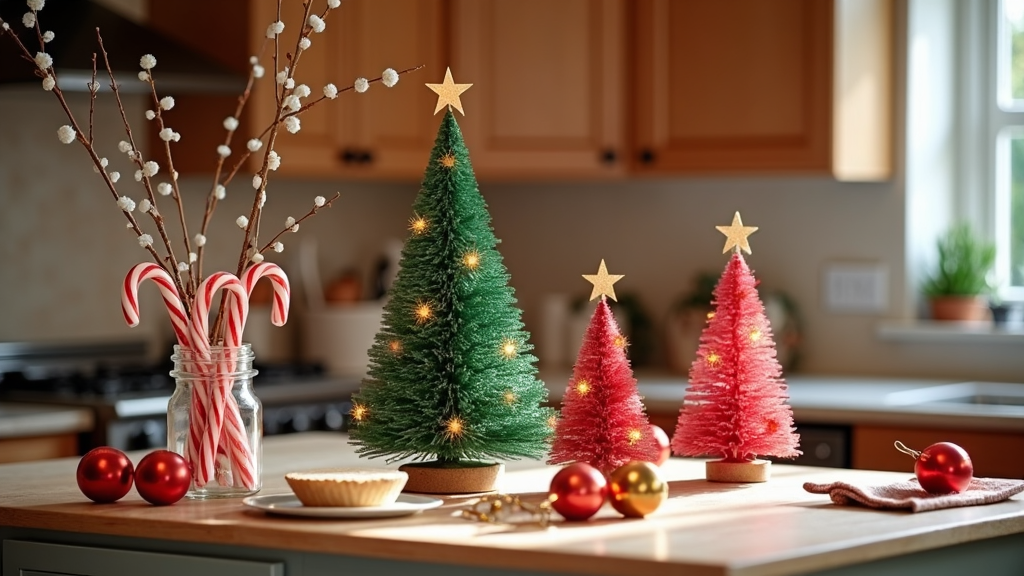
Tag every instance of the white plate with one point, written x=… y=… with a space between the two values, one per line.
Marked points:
x=289 y=505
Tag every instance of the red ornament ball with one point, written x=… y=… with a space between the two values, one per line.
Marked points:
x=578 y=491
x=944 y=468
x=664 y=448
x=163 y=477
x=105 y=474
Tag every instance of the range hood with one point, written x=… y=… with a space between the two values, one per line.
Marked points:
x=74 y=22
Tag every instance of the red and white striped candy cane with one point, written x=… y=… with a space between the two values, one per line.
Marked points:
x=172 y=300
x=235 y=442
x=282 y=290
x=234 y=430
x=198 y=409
x=179 y=322
x=237 y=305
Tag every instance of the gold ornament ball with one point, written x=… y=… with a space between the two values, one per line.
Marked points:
x=636 y=489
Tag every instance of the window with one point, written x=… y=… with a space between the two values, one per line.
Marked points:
x=1007 y=113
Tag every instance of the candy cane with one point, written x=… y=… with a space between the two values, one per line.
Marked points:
x=179 y=322
x=233 y=435
x=233 y=442
x=236 y=440
x=282 y=290
x=217 y=399
x=233 y=431
x=172 y=300
x=237 y=310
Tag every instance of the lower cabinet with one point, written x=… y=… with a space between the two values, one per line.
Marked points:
x=23 y=558
x=870 y=447
x=993 y=453
x=28 y=552
x=38 y=448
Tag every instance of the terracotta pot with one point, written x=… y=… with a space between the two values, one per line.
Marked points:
x=969 y=308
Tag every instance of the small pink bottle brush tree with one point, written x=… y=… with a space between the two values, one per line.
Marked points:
x=736 y=406
x=602 y=420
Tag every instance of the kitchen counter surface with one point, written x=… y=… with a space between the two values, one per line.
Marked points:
x=19 y=420
x=704 y=528
x=852 y=400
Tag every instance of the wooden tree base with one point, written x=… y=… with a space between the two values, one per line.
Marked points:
x=721 y=471
x=461 y=478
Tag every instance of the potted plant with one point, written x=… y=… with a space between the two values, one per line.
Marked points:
x=958 y=287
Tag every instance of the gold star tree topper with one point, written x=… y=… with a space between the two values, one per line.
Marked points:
x=603 y=282
x=736 y=235
x=448 y=93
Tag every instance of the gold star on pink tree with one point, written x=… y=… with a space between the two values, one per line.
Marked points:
x=603 y=282
x=736 y=235
x=448 y=93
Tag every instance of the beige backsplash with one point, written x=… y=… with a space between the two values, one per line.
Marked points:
x=65 y=248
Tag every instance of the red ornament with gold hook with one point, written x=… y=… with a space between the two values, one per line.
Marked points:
x=941 y=468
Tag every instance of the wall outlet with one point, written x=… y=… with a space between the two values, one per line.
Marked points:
x=856 y=288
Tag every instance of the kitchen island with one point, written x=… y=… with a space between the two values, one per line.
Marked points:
x=703 y=529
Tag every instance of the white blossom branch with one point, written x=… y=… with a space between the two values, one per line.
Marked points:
x=214 y=196
x=290 y=226
x=47 y=72
x=136 y=156
x=240 y=163
x=92 y=99
x=288 y=108
x=252 y=230
x=167 y=135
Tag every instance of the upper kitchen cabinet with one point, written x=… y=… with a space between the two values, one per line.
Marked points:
x=383 y=133
x=714 y=86
x=388 y=132
x=548 y=96
x=749 y=86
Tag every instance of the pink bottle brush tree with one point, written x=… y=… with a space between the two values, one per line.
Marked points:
x=736 y=406
x=602 y=420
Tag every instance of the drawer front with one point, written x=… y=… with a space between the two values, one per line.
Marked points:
x=21 y=558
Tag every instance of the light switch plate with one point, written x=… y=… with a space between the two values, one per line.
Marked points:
x=856 y=287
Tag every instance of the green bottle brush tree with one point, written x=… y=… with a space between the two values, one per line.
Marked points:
x=451 y=376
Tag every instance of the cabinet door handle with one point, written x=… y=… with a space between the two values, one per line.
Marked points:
x=608 y=156
x=348 y=156
x=366 y=157
x=647 y=156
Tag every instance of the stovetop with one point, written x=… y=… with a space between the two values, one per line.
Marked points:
x=103 y=383
x=117 y=378
x=106 y=381
x=128 y=393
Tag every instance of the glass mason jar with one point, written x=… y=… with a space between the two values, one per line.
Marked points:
x=216 y=422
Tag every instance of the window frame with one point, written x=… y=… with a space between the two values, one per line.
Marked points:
x=1005 y=122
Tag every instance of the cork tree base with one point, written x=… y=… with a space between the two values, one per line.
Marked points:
x=721 y=471
x=463 y=478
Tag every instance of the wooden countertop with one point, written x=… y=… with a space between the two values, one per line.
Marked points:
x=704 y=528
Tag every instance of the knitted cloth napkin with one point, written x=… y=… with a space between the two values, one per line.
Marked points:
x=910 y=495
